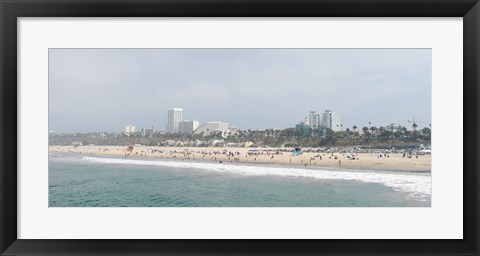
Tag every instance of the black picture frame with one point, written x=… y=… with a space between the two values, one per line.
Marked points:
x=10 y=10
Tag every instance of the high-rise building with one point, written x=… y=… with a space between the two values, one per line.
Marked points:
x=175 y=116
x=331 y=120
x=188 y=126
x=314 y=120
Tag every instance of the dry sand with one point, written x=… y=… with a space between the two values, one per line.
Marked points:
x=363 y=161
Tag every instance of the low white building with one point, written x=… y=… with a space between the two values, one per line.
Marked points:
x=146 y=132
x=212 y=127
x=77 y=143
x=188 y=126
x=129 y=129
x=393 y=127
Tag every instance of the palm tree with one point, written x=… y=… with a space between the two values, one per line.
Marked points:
x=426 y=131
x=382 y=130
x=414 y=125
x=365 y=130
x=354 y=130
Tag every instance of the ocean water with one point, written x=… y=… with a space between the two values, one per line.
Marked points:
x=79 y=181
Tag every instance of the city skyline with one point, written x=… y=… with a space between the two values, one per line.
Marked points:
x=92 y=90
x=327 y=120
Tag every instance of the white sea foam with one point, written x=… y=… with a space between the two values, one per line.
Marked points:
x=417 y=185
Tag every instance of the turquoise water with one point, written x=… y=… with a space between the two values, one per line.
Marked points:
x=76 y=181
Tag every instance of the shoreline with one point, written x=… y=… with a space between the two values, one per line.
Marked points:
x=310 y=160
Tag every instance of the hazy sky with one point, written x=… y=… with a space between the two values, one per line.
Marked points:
x=105 y=89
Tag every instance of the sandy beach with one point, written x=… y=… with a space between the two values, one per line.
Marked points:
x=360 y=161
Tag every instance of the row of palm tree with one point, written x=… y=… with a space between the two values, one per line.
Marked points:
x=272 y=137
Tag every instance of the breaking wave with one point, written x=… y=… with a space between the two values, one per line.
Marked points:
x=416 y=185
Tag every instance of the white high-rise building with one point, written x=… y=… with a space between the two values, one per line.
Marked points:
x=335 y=122
x=314 y=120
x=175 y=116
x=331 y=120
x=188 y=126
x=211 y=127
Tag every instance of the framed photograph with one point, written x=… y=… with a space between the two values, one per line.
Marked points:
x=226 y=127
